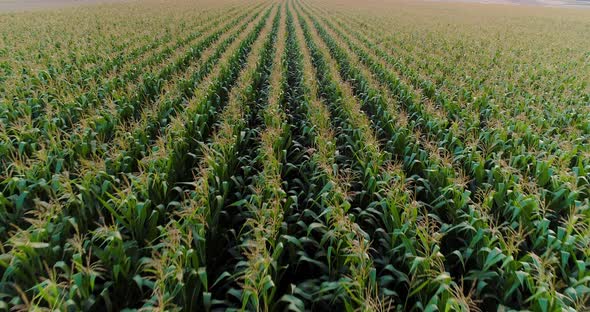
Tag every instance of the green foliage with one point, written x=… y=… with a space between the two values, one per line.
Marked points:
x=285 y=155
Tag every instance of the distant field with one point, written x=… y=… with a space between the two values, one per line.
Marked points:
x=323 y=155
x=27 y=5
x=547 y=3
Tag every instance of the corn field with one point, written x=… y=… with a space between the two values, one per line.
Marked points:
x=295 y=155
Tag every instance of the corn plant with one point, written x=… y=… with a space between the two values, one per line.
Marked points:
x=294 y=155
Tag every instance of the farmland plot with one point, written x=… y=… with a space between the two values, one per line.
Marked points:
x=295 y=155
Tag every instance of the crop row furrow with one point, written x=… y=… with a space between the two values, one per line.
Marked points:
x=58 y=162
x=476 y=166
x=134 y=208
x=477 y=231
x=22 y=144
x=202 y=218
x=517 y=139
x=434 y=188
x=67 y=99
x=355 y=156
x=478 y=91
x=261 y=248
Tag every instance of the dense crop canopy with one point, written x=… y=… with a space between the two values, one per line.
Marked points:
x=295 y=155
